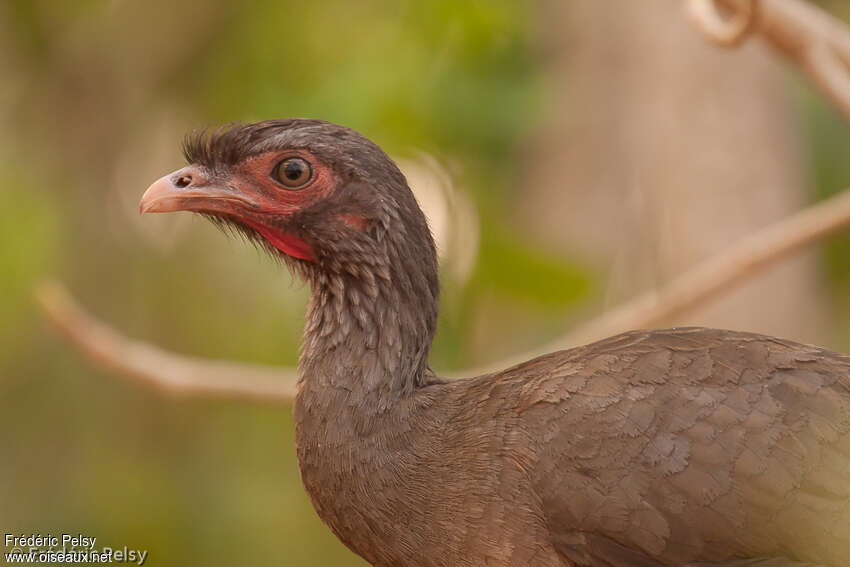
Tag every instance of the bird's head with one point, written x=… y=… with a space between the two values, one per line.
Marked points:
x=339 y=211
x=321 y=195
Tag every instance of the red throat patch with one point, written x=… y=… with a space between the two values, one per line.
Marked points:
x=286 y=243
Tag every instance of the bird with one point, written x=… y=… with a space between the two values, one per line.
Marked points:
x=671 y=447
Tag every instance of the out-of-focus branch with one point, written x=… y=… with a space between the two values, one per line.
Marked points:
x=713 y=276
x=724 y=30
x=816 y=41
x=156 y=368
x=195 y=376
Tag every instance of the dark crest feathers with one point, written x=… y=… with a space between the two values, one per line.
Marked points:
x=231 y=143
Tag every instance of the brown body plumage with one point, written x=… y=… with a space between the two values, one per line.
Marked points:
x=651 y=448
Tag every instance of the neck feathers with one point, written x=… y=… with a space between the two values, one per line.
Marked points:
x=373 y=310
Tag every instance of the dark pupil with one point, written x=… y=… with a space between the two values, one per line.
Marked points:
x=293 y=170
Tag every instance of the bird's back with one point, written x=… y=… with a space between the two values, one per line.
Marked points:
x=689 y=445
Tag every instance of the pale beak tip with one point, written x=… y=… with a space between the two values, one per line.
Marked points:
x=154 y=199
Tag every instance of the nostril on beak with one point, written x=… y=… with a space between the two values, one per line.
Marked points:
x=183 y=181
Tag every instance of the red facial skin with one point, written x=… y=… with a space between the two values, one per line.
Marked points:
x=250 y=195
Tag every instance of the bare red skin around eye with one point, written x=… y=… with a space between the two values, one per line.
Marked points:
x=255 y=176
x=279 y=200
x=276 y=198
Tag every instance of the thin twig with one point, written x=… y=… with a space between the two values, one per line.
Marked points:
x=156 y=368
x=725 y=31
x=713 y=276
x=815 y=40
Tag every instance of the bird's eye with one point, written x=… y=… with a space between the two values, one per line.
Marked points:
x=293 y=172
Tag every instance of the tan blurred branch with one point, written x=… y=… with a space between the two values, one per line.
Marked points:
x=154 y=367
x=726 y=30
x=195 y=376
x=711 y=277
x=718 y=273
x=816 y=41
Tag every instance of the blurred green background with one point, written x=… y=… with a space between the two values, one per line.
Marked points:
x=94 y=101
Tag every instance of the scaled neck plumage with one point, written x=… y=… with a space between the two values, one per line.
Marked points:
x=372 y=317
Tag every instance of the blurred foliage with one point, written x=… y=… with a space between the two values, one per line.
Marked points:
x=95 y=99
x=829 y=140
x=828 y=143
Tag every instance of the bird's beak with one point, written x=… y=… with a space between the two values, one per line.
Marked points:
x=189 y=189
